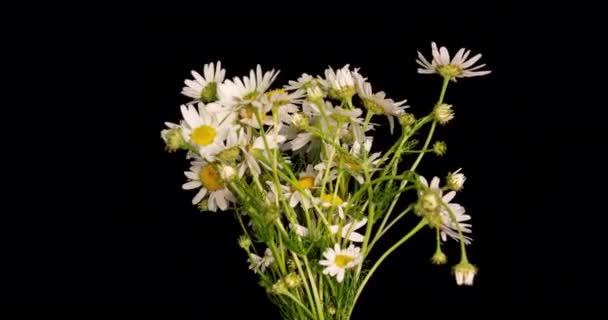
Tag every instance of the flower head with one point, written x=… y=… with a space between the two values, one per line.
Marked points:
x=204 y=130
x=464 y=273
x=443 y=113
x=340 y=84
x=204 y=88
x=455 y=180
x=204 y=176
x=337 y=260
x=378 y=103
x=236 y=91
x=457 y=67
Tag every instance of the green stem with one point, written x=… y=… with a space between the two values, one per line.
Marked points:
x=424 y=148
x=383 y=230
x=315 y=292
x=303 y=275
x=421 y=224
x=299 y=303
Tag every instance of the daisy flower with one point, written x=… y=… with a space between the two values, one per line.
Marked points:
x=204 y=131
x=330 y=200
x=431 y=202
x=236 y=92
x=204 y=176
x=261 y=263
x=449 y=227
x=305 y=81
x=457 y=67
x=338 y=260
x=340 y=85
x=378 y=103
x=204 y=88
x=348 y=230
x=284 y=102
x=357 y=164
x=307 y=180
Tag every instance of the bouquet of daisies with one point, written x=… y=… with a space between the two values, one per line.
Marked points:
x=295 y=166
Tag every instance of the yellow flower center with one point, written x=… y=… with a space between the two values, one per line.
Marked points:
x=210 y=179
x=251 y=95
x=449 y=70
x=275 y=91
x=332 y=199
x=342 y=260
x=352 y=165
x=305 y=183
x=203 y=135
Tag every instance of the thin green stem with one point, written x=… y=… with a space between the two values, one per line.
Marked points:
x=417 y=228
x=299 y=303
x=314 y=290
x=304 y=277
x=381 y=231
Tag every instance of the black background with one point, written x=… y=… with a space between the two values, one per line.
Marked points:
x=125 y=233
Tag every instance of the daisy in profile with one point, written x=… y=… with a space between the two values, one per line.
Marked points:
x=433 y=200
x=340 y=85
x=204 y=88
x=337 y=260
x=237 y=92
x=361 y=159
x=460 y=66
x=378 y=103
x=305 y=81
x=449 y=227
x=203 y=176
x=204 y=130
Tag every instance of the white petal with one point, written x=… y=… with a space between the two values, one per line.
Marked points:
x=449 y=196
x=435 y=183
x=191 y=185
x=199 y=196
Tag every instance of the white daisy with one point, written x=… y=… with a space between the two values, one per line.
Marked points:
x=359 y=163
x=341 y=84
x=378 y=103
x=204 y=131
x=205 y=88
x=305 y=81
x=348 y=230
x=330 y=200
x=307 y=180
x=204 y=176
x=261 y=263
x=449 y=227
x=338 y=260
x=457 y=67
x=285 y=103
x=235 y=92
